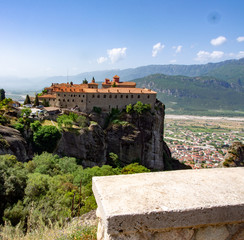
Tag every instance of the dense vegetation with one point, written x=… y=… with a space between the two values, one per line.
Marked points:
x=49 y=188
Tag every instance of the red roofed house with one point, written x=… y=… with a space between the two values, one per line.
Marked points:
x=113 y=94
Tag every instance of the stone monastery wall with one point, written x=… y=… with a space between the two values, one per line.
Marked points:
x=114 y=94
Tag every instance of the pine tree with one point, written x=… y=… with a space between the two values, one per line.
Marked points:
x=36 y=101
x=2 y=94
x=27 y=100
x=85 y=81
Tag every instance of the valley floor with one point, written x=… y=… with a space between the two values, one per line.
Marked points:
x=202 y=141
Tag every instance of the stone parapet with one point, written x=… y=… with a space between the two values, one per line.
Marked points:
x=187 y=204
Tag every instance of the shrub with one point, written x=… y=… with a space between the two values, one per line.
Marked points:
x=97 y=109
x=129 y=108
x=46 y=138
x=134 y=168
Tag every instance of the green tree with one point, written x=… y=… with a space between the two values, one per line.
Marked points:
x=62 y=119
x=115 y=159
x=134 y=168
x=82 y=121
x=85 y=81
x=13 y=179
x=20 y=127
x=36 y=101
x=25 y=112
x=46 y=138
x=2 y=94
x=45 y=103
x=27 y=100
x=139 y=107
x=129 y=108
x=35 y=126
x=3 y=120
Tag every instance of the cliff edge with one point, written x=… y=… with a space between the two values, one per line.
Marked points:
x=133 y=137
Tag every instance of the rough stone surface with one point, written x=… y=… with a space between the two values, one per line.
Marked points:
x=212 y=233
x=239 y=235
x=16 y=144
x=154 y=202
x=235 y=156
x=175 y=234
x=139 y=140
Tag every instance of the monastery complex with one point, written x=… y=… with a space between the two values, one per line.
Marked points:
x=84 y=97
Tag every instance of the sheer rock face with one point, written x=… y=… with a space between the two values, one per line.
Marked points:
x=140 y=139
x=235 y=156
x=12 y=142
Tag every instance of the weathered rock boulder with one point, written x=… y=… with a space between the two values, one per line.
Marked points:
x=235 y=156
x=88 y=145
x=12 y=142
x=133 y=138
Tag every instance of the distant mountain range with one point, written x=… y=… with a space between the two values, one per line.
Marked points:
x=205 y=88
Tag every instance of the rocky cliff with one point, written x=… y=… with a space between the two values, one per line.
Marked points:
x=12 y=142
x=235 y=156
x=133 y=137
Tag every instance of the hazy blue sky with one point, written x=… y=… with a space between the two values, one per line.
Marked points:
x=49 y=37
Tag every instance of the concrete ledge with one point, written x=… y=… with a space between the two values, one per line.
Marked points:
x=154 y=202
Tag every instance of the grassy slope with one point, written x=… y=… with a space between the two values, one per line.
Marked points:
x=195 y=95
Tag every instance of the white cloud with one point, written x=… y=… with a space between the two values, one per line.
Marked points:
x=240 y=39
x=172 y=61
x=218 y=41
x=156 y=48
x=101 y=60
x=203 y=56
x=116 y=54
x=177 y=49
x=240 y=54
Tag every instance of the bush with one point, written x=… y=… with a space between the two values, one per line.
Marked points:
x=140 y=108
x=134 y=168
x=129 y=108
x=46 y=138
x=4 y=120
x=20 y=127
x=97 y=110
x=35 y=126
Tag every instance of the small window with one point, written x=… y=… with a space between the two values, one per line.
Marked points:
x=148 y=96
x=79 y=95
x=131 y=96
x=68 y=100
x=126 y=96
x=58 y=94
x=63 y=100
x=93 y=96
x=98 y=96
x=81 y=100
x=83 y=95
x=71 y=95
x=73 y=100
x=121 y=96
x=104 y=96
x=110 y=96
x=138 y=96
x=59 y=100
x=115 y=96
x=64 y=95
